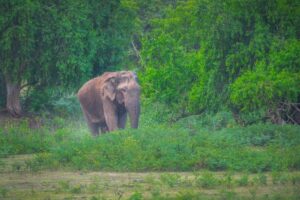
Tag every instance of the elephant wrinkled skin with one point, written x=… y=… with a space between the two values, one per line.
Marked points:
x=106 y=100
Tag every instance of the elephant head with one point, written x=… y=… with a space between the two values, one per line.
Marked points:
x=106 y=100
x=122 y=92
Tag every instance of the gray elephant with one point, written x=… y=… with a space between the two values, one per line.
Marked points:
x=106 y=100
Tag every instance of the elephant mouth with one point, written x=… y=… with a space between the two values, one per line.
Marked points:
x=121 y=107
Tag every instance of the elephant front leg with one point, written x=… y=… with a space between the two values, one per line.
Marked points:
x=110 y=115
x=122 y=120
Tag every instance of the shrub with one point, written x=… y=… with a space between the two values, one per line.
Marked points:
x=255 y=148
x=3 y=192
x=243 y=181
x=66 y=106
x=207 y=180
x=211 y=122
x=136 y=196
x=261 y=91
x=170 y=179
x=279 y=178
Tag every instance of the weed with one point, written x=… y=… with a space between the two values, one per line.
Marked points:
x=253 y=192
x=136 y=196
x=279 y=178
x=155 y=192
x=243 y=181
x=207 y=180
x=77 y=189
x=262 y=179
x=295 y=179
x=3 y=192
x=186 y=182
x=119 y=193
x=171 y=180
x=188 y=195
x=228 y=180
x=150 y=179
x=32 y=191
x=64 y=185
x=16 y=166
x=227 y=195
x=97 y=198
x=49 y=198
x=58 y=122
x=2 y=164
x=32 y=166
x=94 y=186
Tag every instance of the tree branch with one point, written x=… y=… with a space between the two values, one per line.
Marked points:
x=290 y=118
x=27 y=84
x=136 y=51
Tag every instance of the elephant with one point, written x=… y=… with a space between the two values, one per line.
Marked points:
x=107 y=99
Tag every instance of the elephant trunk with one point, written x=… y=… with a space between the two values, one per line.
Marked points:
x=133 y=109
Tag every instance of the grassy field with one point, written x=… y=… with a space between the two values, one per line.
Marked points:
x=19 y=183
x=190 y=159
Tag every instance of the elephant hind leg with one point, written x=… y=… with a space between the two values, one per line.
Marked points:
x=94 y=128
x=104 y=129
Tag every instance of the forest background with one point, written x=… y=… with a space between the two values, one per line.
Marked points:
x=194 y=56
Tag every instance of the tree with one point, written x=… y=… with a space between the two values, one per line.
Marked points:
x=225 y=42
x=60 y=43
x=42 y=43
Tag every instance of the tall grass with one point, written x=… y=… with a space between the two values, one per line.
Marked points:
x=178 y=150
x=254 y=148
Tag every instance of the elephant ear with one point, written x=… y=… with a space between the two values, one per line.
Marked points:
x=109 y=90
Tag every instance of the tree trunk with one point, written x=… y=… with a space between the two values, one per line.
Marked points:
x=13 y=104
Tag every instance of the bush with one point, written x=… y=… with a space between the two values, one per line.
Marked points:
x=64 y=144
x=259 y=93
x=243 y=181
x=66 y=106
x=3 y=192
x=136 y=196
x=170 y=179
x=210 y=122
x=155 y=113
x=21 y=139
x=207 y=180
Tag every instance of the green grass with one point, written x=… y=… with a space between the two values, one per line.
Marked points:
x=255 y=148
x=213 y=160
x=149 y=186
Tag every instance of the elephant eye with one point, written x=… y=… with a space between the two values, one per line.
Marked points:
x=123 y=79
x=124 y=89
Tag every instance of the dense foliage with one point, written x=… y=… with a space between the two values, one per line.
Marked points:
x=196 y=56
x=50 y=44
x=216 y=55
